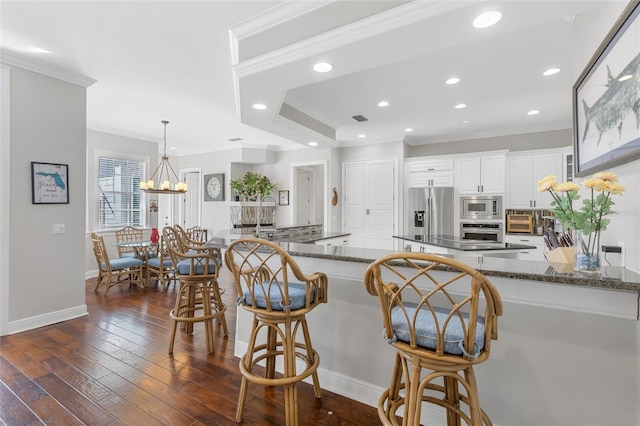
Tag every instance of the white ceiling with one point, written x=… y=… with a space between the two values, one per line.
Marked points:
x=175 y=60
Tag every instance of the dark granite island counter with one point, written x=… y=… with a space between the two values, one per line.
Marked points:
x=557 y=334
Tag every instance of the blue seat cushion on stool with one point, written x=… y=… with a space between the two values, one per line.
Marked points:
x=184 y=267
x=123 y=262
x=129 y=254
x=425 y=330
x=155 y=262
x=297 y=296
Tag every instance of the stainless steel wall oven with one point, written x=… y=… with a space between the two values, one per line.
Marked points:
x=481 y=231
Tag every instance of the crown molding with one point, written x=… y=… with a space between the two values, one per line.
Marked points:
x=363 y=29
x=13 y=59
x=275 y=16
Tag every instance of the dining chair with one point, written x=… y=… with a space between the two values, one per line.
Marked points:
x=161 y=267
x=196 y=234
x=440 y=315
x=128 y=234
x=114 y=271
x=199 y=297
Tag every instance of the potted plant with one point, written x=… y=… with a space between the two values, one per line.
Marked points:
x=252 y=186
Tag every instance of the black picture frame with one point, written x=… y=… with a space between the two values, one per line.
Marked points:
x=606 y=113
x=49 y=183
x=283 y=198
x=210 y=197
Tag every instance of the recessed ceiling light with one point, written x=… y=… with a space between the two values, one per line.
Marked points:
x=36 y=49
x=383 y=103
x=625 y=77
x=408 y=129
x=362 y=136
x=551 y=71
x=460 y=106
x=466 y=122
x=322 y=67
x=452 y=80
x=533 y=112
x=313 y=143
x=259 y=106
x=487 y=19
x=173 y=147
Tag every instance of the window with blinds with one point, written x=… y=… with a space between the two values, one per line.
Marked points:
x=119 y=195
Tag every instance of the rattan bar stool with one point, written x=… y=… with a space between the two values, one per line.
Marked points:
x=272 y=287
x=198 y=298
x=441 y=316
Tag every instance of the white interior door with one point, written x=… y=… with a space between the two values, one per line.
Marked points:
x=304 y=200
x=369 y=203
x=191 y=204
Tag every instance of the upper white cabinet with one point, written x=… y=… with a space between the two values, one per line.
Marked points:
x=430 y=172
x=524 y=170
x=481 y=174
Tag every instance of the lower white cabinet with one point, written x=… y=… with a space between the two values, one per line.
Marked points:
x=337 y=241
x=536 y=253
x=423 y=248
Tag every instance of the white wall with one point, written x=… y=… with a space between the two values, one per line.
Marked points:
x=45 y=281
x=110 y=144
x=215 y=214
x=591 y=29
x=522 y=142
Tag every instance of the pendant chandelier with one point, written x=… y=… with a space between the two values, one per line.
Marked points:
x=164 y=179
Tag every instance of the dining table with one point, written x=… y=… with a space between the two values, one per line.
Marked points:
x=143 y=250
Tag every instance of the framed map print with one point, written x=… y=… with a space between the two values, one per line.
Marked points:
x=49 y=183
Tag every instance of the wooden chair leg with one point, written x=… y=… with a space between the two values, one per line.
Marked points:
x=290 y=391
x=241 y=399
x=311 y=355
x=270 y=362
x=245 y=368
x=452 y=395
x=206 y=310
x=412 y=399
x=474 y=400
x=215 y=288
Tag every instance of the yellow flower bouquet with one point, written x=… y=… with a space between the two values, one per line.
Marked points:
x=590 y=218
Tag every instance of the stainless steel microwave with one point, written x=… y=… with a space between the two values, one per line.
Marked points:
x=481 y=207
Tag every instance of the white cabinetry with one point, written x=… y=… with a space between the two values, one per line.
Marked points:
x=536 y=253
x=336 y=241
x=423 y=248
x=431 y=172
x=483 y=174
x=524 y=170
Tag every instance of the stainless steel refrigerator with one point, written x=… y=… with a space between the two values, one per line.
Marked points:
x=431 y=211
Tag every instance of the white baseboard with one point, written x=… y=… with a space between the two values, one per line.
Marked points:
x=38 y=321
x=363 y=392
x=90 y=274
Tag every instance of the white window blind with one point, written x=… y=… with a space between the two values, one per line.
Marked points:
x=119 y=195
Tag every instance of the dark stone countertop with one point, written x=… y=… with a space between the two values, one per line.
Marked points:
x=455 y=243
x=611 y=278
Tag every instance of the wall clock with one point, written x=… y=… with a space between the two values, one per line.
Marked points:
x=214 y=187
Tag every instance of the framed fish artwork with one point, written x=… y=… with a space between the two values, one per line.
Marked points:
x=606 y=99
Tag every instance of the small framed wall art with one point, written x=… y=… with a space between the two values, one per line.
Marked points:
x=49 y=183
x=214 y=187
x=283 y=198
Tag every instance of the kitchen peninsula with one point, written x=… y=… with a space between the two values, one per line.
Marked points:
x=557 y=332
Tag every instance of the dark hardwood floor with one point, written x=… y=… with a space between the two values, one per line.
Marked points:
x=112 y=367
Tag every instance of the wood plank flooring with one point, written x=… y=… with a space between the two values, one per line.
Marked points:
x=112 y=368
